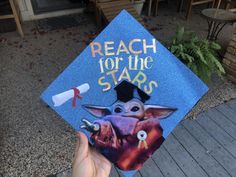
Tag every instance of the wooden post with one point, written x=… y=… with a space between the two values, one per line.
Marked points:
x=149 y=7
x=190 y=5
x=217 y=7
x=16 y=17
x=180 y=5
x=229 y=61
x=156 y=7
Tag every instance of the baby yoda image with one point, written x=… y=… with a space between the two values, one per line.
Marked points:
x=129 y=131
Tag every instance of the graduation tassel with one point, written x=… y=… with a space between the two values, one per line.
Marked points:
x=142 y=135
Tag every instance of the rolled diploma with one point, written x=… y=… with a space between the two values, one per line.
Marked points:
x=63 y=97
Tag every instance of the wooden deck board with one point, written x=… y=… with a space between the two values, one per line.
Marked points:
x=218 y=133
x=183 y=158
x=222 y=122
x=205 y=139
x=166 y=163
x=219 y=153
x=138 y=174
x=232 y=104
x=229 y=162
x=199 y=153
x=114 y=172
x=150 y=169
x=229 y=112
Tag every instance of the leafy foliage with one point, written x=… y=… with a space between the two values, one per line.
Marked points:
x=200 y=55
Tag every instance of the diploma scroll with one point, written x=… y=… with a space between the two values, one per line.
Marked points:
x=63 y=97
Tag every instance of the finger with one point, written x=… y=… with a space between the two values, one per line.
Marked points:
x=76 y=148
x=103 y=172
x=81 y=148
x=99 y=158
x=83 y=143
x=77 y=144
x=98 y=155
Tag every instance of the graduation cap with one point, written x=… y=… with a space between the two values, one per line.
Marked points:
x=125 y=92
x=124 y=62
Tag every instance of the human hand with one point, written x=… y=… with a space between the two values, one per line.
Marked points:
x=87 y=161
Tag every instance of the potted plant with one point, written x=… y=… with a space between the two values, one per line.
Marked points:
x=200 y=55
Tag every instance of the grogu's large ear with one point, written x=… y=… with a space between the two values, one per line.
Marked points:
x=160 y=112
x=97 y=111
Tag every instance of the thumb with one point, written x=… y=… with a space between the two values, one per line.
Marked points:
x=82 y=147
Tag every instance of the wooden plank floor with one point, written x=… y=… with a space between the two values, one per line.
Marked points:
x=205 y=147
x=198 y=148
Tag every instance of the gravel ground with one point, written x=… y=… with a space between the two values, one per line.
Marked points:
x=34 y=141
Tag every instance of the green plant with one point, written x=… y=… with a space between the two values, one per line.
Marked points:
x=200 y=55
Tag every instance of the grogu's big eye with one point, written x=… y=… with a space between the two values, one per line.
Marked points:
x=118 y=110
x=135 y=109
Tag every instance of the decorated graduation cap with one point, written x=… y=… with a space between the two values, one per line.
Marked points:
x=126 y=91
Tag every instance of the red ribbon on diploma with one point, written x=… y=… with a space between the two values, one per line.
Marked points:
x=76 y=95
